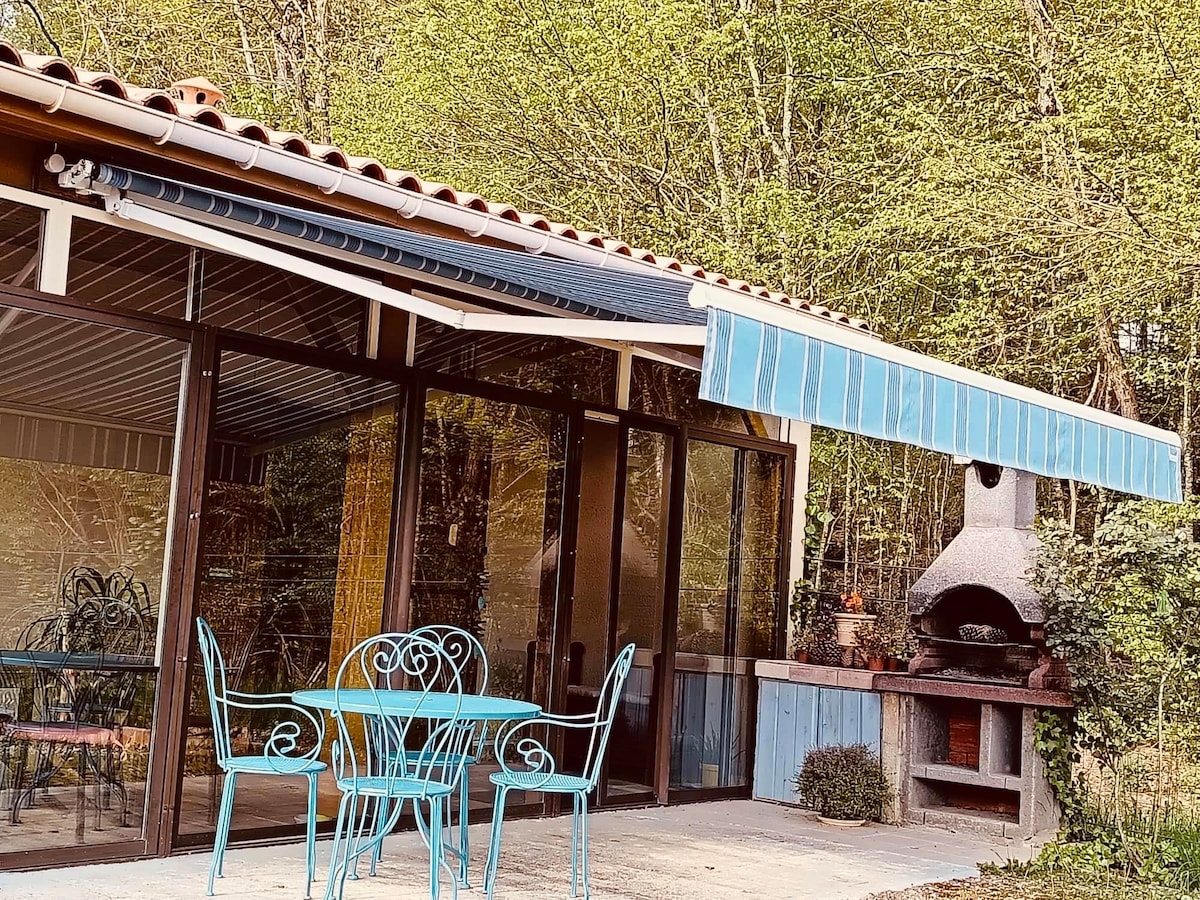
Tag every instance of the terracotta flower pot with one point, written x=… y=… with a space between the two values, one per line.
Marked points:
x=875 y=663
x=848 y=625
x=801 y=656
x=895 y=664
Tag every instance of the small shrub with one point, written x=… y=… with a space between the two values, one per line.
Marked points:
x=843 y=782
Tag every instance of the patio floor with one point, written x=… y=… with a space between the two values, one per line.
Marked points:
x=718 y=850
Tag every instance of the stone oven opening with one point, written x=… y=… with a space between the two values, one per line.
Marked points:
x=973 y=613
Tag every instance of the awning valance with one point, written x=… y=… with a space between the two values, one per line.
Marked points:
x=839 y=379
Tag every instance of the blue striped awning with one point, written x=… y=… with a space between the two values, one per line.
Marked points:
x=593 y=291
x=876 y=389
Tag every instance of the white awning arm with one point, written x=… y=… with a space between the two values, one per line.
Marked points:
x=223 y=242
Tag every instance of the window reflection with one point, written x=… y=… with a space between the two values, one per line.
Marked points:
x=296 y=523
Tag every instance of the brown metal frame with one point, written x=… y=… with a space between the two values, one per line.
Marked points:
x=682 y=434
x=152 y=841
x=205 y=346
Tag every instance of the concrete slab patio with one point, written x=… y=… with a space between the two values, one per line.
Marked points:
x=710 y=850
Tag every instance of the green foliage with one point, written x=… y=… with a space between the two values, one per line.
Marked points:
x=1123 y=610
x=843 y=782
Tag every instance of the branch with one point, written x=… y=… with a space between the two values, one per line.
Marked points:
x=42 y=26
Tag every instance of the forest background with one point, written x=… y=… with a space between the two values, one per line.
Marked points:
x=1009 y=185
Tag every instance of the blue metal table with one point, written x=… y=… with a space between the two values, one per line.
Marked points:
x=433 y=705
x=77 y=662
x=426 y=706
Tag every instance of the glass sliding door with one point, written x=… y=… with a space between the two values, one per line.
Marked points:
x=487 y=539
x=642 y=583
x=729 y=609
x=89 y=418
x=296 y=521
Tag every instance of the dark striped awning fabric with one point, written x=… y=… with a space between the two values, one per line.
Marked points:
x=594 y=291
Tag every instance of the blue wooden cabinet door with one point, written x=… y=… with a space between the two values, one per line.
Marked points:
x=794 y=718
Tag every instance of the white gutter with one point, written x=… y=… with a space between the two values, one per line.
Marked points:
x=55 y=95
x=204 y=236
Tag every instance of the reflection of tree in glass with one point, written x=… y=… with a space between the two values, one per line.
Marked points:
x=487 y=525
x=55 y=516
x=271 y=563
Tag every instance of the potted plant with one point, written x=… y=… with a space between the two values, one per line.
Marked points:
x=850 y=619
x=874 y=643
x=893 y=625
x=822 y=648
x=845 y=784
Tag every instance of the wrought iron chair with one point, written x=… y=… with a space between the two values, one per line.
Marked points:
x=542 y=773
x=470 y=668
x=282 y=752
x=401 y=737
x=75 y=712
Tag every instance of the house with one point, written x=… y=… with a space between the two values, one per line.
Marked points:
x=308 y=397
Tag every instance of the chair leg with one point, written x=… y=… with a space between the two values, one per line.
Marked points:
x=310 y=845
x=221 y=839
x=383 y=810
x=583 y=831
x=435 y=850
x=493 y=860
x=343 y=843
x=574 y=845
x=464 y=820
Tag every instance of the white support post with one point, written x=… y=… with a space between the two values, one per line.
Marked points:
x=799 y=434
x=56 y=251
x=624 y=377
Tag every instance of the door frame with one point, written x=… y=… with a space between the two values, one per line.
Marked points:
x=178 y=564
x=682 y=434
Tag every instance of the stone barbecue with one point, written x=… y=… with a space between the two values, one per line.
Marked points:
x=982 y=673
x=975 y=615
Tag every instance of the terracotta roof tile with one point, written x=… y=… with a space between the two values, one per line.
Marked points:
x=161 y=101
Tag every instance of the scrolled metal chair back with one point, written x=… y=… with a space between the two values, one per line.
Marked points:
x=464 y=650
x=293 y=741
x=410 y=748
x=606 y=713
x=215 y=681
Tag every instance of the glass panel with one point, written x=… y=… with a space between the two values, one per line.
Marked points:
x=644 y=562
x=761 y=555
x=296 y=522
x=671 y=392
x=125 y=269
x=87 y=431
x=20 y=233
x=487 y=539
x=549 y=365
x=265 y=301
x=728 y=603
x=587 y=659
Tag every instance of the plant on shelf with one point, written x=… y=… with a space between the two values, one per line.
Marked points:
x=823 y=649
x=845 y=784
x=874 y=642
x=850 y=619
x=893 y=624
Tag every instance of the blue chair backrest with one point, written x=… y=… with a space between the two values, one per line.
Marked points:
x=606 y=713
x=414 y=746
x=293 y=728
x=464 y=650
x=218 y=690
